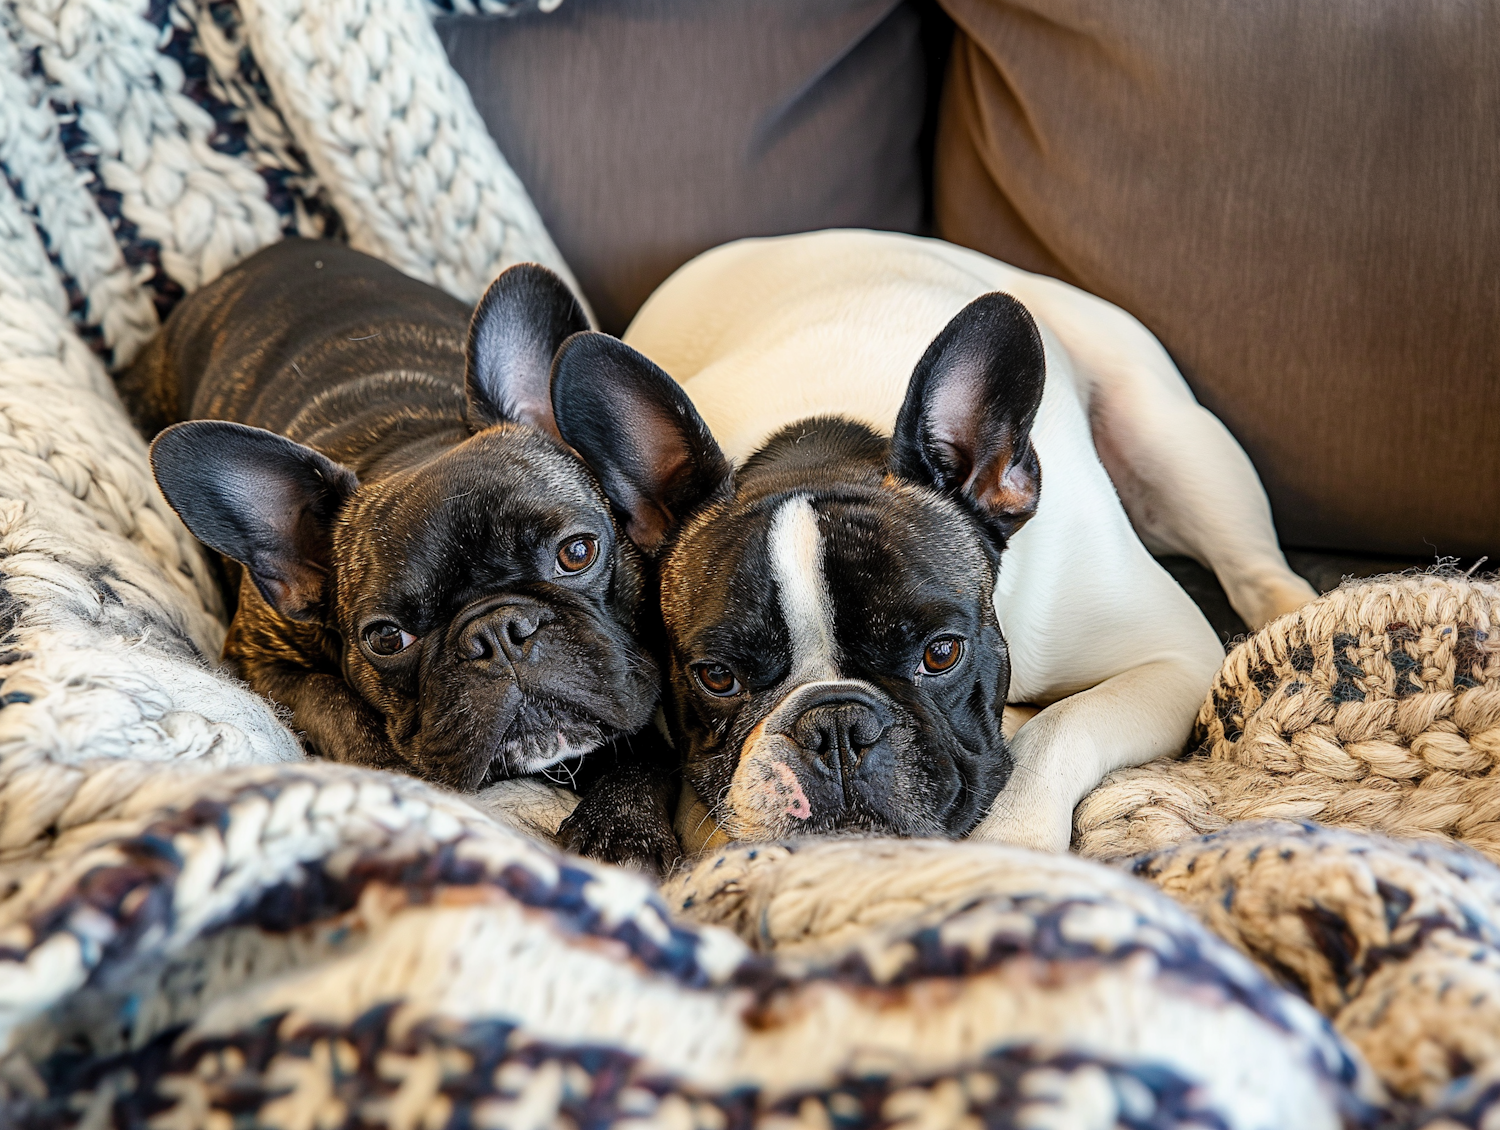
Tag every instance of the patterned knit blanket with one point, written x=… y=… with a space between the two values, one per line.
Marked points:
x=199 y=928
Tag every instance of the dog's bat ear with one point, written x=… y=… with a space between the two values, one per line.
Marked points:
x=965 y=427
x=638 y=431
x=526 y=314
x=259 y=498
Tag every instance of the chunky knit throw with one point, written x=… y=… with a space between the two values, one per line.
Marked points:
x=1376 y=706
x=147 y=147
x=199 y=928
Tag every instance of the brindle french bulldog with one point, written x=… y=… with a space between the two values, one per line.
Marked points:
x=432 y=580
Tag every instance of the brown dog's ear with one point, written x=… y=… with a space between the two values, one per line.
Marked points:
x=259 y=498
x=517 y=327
x=965 y=426
x=638 y=431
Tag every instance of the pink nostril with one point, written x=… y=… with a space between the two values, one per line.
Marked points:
x=791 y=791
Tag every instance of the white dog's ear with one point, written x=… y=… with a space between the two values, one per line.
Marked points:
x=636 y=428
x=525 y=315
x=965 y=427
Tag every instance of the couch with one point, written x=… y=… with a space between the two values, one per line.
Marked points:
x=1298 y=199
x=201 y=927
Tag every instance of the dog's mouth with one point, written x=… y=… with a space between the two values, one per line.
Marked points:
x=471 y=728
x=542 y=735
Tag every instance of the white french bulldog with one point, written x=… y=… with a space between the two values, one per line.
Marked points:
x=854 y=326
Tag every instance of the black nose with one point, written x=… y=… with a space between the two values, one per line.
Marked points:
x=838 y=731
x=509 y=630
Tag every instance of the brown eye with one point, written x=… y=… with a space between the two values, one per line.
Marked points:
x=942 y=655
x=386 y=637
x=716 y=679
x=577 y=554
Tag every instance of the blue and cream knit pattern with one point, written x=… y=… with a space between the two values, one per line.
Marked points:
x=201 y=928
x=152 y=145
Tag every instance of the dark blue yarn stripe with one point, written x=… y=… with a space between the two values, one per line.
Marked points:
x=516 y=8
x=487 y=1047
x=228 y=137
x=284 y=190
x=152 y=864
x=231 y=131
x=137 y=250
x=92 y=335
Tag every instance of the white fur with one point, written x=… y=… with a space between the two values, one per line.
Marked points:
x=796 y=551
x=765 y=332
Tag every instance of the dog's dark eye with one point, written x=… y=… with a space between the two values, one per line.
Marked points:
x=577 y=554
x=386 y=637
x=942 y=655
x=716 y=679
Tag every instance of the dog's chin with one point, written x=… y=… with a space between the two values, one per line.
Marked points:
x=846 y=823
x=767 y=799
x=539 y=738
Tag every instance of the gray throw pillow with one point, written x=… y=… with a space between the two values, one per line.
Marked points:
x=648 y=131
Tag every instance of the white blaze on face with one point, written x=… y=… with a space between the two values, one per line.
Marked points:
x=796 y=550
x=765 y=798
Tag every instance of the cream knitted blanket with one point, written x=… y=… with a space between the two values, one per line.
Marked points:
x=200 y=928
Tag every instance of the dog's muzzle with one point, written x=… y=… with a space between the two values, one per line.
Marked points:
x=502 y=630
x=832 y=724
x=821 y=758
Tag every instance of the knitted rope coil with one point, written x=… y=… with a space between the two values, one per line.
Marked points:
x=1385 y=937
x=1375 y=707
x=319 y=945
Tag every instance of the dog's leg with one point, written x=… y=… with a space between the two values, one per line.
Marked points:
x=1186 y=484
x=1189 y=488
x=625 y=815
x=1063 y=752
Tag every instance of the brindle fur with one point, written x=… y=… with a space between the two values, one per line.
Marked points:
x=459 y=501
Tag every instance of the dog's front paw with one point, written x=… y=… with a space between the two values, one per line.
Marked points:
x=1031 y=819
x=606 y=827
x=645 y=845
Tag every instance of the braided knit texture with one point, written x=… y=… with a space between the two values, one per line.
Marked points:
x=152 y=144
x=1397 y=941
x=321 y=945
x=109 y=619
x=1375 y=707
x=390 y=130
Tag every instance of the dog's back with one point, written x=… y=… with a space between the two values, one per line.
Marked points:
x=350 y=337
x=765 y=332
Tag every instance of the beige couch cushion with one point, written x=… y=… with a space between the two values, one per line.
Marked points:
x=1301 y=198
